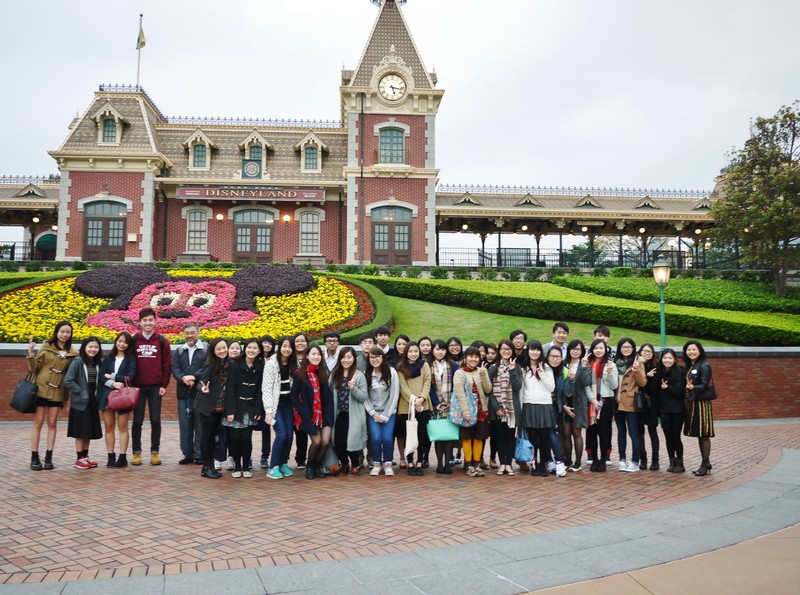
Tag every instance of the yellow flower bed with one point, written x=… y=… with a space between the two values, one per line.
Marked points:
x=310 y=311
x=34 y=311
x=200 y=272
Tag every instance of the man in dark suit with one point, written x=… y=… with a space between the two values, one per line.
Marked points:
x=186 y=364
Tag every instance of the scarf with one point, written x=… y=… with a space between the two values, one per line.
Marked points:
x=416 y=368
x=316 y=408
x=501 y=389
x=482 y=415
x=441 y=380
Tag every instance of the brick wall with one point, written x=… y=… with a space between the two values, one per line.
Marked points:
x=87 y=184
x=414 y=143
x=748 y=388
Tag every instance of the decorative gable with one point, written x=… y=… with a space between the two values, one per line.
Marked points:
x=31 y=190
x=109 y=124
x=528 y=201
x=198 y=136
x=468 y=199
x=701 y=204
x=253 y=139
x=588 y=201
x=311 y=139
x=646 y=203
x=199 y=147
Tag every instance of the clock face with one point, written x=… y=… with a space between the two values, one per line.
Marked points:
x=392 y=87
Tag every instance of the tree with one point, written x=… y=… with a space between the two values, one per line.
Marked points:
x=759 y=196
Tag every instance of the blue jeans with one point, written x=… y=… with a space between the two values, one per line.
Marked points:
x=630 y=419
x=382 y=436
x=190 y=429
x=555 y=439
x=284 y=416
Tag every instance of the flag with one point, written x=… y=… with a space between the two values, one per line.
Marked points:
x=141 y=41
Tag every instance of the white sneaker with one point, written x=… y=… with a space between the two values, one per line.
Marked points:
x=376 y=470
x=217 y=465
x=575 y=467
x=231 y=464
x=623 y=465
x=387 y=469
x=551 y=466
x=236 y=474
x=632 y=467
x=561 y=469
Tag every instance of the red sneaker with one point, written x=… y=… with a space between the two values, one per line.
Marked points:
x=82 y=464
x=91 y=462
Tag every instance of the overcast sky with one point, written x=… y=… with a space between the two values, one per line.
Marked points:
x=581 y=93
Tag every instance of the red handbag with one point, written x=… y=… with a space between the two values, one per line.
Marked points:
x=123 y=398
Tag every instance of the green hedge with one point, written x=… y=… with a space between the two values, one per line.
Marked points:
x=11 y=281
x=544 y=300
x=703 y=293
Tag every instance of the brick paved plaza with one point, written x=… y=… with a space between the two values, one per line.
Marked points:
x=74 y=525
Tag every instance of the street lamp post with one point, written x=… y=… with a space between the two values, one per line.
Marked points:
x=661 y=271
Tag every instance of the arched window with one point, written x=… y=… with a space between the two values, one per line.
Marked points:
x=391 y=146
x=109 y=131
x=309 y=233
x=104 y=230
x=253 y=235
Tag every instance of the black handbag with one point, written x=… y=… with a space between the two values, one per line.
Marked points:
x=641 y=401
x=24 y=399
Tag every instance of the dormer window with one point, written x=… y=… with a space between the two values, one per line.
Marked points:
x=311 y=148
x=109 y=125
x=199 y=147
x=254 y=150
x=109 y=131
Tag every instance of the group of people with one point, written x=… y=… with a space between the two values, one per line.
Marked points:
x=345 y=410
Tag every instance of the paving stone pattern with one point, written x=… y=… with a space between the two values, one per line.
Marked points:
x=70 y=524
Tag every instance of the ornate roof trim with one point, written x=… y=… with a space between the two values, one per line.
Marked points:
x=701 y=203
x=528 y=201
x=30 y=189
x=198 y=134
x=108 y=108
x=311 y=139
x=255 y=135
x=588 y=201
x=468 y=199
x=646 y=203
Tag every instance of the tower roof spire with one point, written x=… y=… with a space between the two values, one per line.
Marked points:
x=390 y=29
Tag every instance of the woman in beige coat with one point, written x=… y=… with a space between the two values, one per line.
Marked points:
x=631 y=379
x=415 y=392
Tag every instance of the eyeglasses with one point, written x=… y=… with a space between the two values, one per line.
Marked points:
x=331 y=340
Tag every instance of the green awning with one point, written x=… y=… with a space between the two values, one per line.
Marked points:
x=46 y=242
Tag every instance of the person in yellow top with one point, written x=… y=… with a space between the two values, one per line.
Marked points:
x=49 y=365
x=471 y=383
x=415 y=391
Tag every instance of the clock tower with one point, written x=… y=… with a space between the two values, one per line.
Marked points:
x=389 y=107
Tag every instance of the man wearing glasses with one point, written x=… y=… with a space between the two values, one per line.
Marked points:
x=332 y=348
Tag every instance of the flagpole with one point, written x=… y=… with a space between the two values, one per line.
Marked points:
x=138 y=53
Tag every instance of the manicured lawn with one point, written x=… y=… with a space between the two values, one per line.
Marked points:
x=416 y=319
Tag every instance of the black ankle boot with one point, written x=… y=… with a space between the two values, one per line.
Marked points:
x=36 y=464
x=679 y=468
x=209 y=471
x=671 y=467
x=643 y=461
x=122 y=461
x=48 y=461
x=654 y=466
x=310 y=473
x=112 y=459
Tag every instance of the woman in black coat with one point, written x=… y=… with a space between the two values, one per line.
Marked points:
x=312 y=401
x=700 y=392
x=243 y=406
x=671 y=382
x=210 y=402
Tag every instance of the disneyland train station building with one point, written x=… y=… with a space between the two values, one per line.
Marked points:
x=138 y=186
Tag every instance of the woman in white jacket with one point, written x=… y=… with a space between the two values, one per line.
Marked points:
x=537 y=417
x=276 y=389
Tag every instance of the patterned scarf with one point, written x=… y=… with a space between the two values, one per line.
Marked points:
x=441 y=379
x=501 y=389
x=316 y=415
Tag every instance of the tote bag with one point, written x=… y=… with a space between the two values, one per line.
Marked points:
x=126 y=397
x=443 y=430
x=24 y=399
x=412 y=438
x=523 y=450
x=456 y=415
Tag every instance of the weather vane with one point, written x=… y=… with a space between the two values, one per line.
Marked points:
x=379 y=2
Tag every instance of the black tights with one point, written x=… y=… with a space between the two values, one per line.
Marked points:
x=340 y=441
x=240 y=446
x=319 y=447
x=705 y=449
x=652 y=430
x=540 y=438
x=444 y=450
x=506 y=439
x=671 y=424
x=572 y=434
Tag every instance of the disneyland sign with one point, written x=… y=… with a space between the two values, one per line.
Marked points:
x=252 y=193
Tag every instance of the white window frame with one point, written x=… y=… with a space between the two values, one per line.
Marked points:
x=186 y=214
x=298 y=216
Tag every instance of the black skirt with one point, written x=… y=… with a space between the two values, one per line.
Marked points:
x=480 y=431
x=699 y=422
x=85 y=424
x=538 y=416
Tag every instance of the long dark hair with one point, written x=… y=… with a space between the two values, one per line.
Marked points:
x=686 y=360
x=128 y=353
x=458 y=342
x=269 y=339
x=82 y=351
x=675 y=370
x=385 y=369
x=308 y=343
x=572 y=345
x=619 y=357
x=404 y=366
x=212 y=361
x=557 y=370
x=322 y=371
x=533 y=344
x=441 y=344
x=257 y=341
x=291 y=364
x=54 y=339
x=338 y=372
x=652 y=363
x=592 y=357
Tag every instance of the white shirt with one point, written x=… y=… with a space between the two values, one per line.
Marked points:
x=538 y=391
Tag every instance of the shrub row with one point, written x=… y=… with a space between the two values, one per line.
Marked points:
x=544 y=300
x=728 y=295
